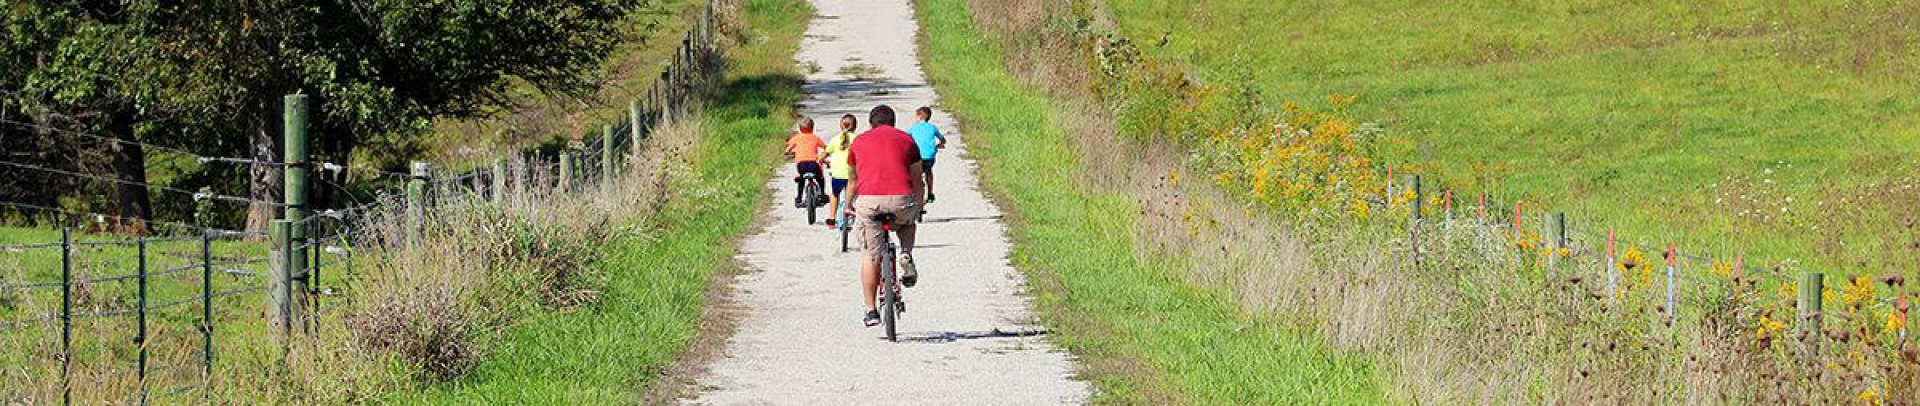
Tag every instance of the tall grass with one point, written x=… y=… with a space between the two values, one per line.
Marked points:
x=1281 y=211
x=1148 y=331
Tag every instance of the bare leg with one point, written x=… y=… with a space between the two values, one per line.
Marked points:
x=870 y=280
x=833 y=200
x=906 y=237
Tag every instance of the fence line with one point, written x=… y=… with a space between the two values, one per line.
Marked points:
x=300 y=242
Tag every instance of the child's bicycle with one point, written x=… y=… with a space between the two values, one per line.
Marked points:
x=841 y=223
x=812 y=196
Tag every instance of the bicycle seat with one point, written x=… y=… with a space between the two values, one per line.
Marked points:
x=884 y=218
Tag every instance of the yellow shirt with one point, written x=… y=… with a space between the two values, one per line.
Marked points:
x=837 y=164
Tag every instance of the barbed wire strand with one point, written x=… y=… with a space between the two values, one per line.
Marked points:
x=218 y=232
x=195 y=195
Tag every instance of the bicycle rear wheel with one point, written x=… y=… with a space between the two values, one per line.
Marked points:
x=811 y=198
x=889 y=296
x=844 y=231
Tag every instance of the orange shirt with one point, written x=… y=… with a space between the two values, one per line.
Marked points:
x=805 y=147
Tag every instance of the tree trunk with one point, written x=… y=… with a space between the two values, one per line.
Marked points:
x=263 y=180
x=134 y=204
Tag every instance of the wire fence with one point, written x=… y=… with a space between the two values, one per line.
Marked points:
x=107 y=303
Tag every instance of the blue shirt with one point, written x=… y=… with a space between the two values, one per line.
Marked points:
x=927 y=137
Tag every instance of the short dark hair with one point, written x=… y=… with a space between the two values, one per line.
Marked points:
x=924 y=111
x=881 y=115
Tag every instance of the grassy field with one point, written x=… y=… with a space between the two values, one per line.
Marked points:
x=104 y=363
x=1144 y=336
x=658 y=280
x=1783 y=130
x=1290 y=222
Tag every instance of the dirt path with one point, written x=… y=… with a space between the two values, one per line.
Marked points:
x=968 y=334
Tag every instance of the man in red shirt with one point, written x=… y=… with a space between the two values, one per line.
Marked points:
x=886 y=170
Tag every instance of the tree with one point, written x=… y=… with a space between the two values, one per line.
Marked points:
x=211 y=73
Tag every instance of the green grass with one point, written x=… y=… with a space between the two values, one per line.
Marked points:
x=651 y=308
x=1627 y=116
x=1144 y=334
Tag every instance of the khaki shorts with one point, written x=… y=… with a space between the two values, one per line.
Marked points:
x=903 y=208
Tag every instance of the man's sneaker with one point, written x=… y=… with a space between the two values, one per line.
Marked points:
x=872 y=319
x=909 y=274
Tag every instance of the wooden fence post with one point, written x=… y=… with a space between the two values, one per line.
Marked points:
x=566 y=170
x=1811 y=285
x=277 y=258
x=607 y=157
x=417 y=201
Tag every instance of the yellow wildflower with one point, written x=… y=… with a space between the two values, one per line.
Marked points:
x=1896 y=322
x=1872 y=396
x=1768 y=326
x=1857 y=291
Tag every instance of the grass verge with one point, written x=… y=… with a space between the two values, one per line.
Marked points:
x=659 y=278
x=1145 y=334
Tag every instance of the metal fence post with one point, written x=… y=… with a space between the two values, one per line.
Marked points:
x=206 y=306
x=311 y=279
x=140 y=317
x=66 y=315
x=1419 y=198
x=295 y=173
x=1673 y=254
x=1560 y=239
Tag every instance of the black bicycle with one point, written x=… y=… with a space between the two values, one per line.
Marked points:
x=812 y=196
x=890 y=304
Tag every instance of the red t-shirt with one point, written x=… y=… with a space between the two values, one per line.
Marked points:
x=880 y=159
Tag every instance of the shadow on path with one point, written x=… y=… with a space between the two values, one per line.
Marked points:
x=942 y=337
x=953 y=219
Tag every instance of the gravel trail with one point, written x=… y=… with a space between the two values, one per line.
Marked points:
x=969 y=336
